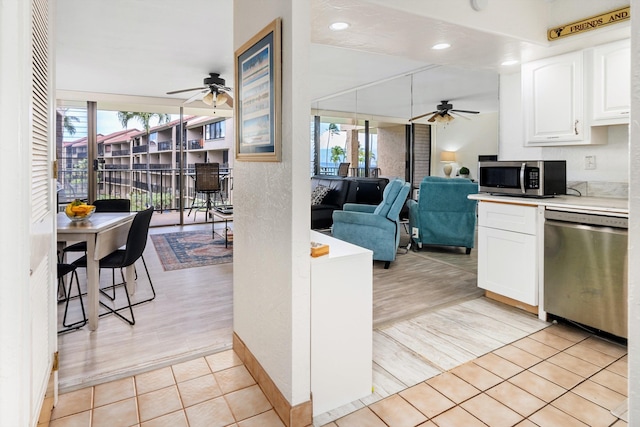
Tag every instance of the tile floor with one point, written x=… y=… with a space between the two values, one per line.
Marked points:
x=559 y=376
x=211 y=391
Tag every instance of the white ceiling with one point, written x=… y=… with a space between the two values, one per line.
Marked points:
x=144 y=48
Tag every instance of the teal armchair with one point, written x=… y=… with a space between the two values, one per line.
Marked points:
x=443 y=215
x=375 y=227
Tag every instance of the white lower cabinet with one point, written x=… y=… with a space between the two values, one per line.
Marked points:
x=341 y=324
x=508 y=251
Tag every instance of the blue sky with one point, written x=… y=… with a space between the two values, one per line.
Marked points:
x=107 y=123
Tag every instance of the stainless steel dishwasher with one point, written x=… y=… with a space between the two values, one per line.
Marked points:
x=585 y=269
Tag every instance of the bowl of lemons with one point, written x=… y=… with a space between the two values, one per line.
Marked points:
x=78 y=211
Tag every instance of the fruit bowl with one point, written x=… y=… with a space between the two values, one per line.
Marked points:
x=78 y=211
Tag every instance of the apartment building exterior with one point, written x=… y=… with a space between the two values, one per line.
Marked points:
x=149 y=168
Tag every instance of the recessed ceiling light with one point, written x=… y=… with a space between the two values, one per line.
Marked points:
x=510 y=62
x=441 y=46
x=339 y=26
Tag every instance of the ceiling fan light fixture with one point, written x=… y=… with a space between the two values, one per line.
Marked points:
x=208 y=98
x=441 y=46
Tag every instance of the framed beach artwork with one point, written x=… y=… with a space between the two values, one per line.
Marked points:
x=258 y=93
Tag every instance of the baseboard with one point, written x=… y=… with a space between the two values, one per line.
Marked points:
x=512 y=302
x=292 y=416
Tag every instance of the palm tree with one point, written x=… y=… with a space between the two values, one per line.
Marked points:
x=68 y=125
x=333 y=130
x=143 y=118
x=361 y=155
x=337 y=153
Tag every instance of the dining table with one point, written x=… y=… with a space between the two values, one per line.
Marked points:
x=104 y=232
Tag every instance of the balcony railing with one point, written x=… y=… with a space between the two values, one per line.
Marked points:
x=141 y=149
x=194 y=144
x=357 y=172
x=119 y=153
x=165 y=145
x=159 y=187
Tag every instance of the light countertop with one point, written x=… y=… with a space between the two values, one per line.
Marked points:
x=617 y=207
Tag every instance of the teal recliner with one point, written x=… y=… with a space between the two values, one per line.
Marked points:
x=443 y=215
x=374 y=227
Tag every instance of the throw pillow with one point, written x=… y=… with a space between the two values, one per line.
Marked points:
x=318 y=194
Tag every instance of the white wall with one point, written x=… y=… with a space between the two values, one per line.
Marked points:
x=271 y=274
x=611 y=158
x=468 y=139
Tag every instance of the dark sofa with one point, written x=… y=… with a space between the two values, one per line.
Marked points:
x=321 y=215
x=343 y=190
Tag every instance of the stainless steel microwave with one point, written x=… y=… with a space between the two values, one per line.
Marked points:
x=533 y=178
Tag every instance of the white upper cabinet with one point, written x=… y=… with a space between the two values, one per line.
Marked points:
x=553 y=98
x=611 y=83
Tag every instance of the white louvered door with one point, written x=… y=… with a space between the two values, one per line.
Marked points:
x=42 y=233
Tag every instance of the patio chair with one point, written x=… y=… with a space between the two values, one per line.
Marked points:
x=121 y=258
x=207 y=182
x=343 y=169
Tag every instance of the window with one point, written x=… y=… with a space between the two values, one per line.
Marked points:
x=214 y=130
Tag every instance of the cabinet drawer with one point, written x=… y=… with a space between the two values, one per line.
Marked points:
x=509 y=217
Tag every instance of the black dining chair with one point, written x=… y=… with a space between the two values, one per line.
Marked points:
x=122 y=258
x=102 y=205
x=63 y=270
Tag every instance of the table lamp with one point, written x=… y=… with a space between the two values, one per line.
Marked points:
x=447 y=157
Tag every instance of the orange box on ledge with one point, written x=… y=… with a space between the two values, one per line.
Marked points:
x=319 y=249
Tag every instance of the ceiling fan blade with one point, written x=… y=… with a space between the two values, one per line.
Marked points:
x=433 y=117
x=466 y=111
x=173 y=92
x=422 y=115
x=197 y=96
x=455 y=113
x=223 y=88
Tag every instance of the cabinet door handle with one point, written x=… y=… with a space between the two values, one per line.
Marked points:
x=575 y=126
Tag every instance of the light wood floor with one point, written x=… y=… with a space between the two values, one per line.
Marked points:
x=191 y=316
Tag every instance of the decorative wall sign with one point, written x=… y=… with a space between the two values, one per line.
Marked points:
x=258 y=92
x=589 y=23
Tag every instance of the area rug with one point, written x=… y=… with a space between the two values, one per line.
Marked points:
x=188 y=249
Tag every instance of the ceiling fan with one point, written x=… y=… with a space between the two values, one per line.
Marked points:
x=213 y=92
x=443 y=113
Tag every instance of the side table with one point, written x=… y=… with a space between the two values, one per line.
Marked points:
x=224 y=213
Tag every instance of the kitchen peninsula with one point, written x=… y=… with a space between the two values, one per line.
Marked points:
x=511 y=247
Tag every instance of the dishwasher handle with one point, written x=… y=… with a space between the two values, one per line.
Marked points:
x=586 y=227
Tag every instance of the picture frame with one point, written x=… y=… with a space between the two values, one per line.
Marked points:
x=258 y=96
